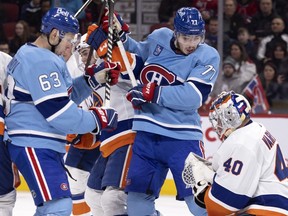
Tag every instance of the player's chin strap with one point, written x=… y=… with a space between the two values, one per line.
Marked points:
x=53 y=47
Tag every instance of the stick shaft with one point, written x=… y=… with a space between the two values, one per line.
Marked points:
x=126 y=63
x=109 y=49
x=84 y=6
x=91 y=48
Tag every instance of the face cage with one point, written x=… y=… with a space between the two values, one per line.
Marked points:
x=225 y=120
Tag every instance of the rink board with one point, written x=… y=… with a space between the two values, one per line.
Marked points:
x=276 y=124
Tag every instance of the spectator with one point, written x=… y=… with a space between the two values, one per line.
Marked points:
x=169 y=24
x=4 y=47
x=277 y=36
x=269 y=82
x=279 y=53
x=281 y=7
x=245 y=67
x=232 y=20
x=32 y=14
x=45 y=6
x=22 y=36
x=211 y=36
x=260 y=25
x=208 y=8
x=167 y=7
x=243 y=36
x=247 y=8
x=228 y=80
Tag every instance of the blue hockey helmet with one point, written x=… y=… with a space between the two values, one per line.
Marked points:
x=188 y=21
x=61 y=19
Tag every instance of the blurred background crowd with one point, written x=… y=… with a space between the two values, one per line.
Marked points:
x=255 y=40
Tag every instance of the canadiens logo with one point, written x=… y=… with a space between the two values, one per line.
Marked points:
x=157 y=74
x=158 y=50
x=64 y=186
x=33 y=194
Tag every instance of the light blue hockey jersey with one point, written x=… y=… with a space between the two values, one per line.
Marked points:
x=39 y=111
x=185 y=80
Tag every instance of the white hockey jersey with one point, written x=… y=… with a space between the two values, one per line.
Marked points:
x=251 y=175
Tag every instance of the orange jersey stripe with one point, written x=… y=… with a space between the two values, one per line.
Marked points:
x=126 y=167
x=108 y=146
x=80 y=208
x=263 y=212
x=2 y=128
x=117 y=57
x=213 y=208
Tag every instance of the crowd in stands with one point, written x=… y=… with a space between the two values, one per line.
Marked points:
x=255 y=39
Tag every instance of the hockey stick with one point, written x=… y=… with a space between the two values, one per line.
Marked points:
x=125 y=60
x=84 y=6
x=91 y=48
x=109 y=49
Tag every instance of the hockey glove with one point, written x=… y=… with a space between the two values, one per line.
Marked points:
x=83 y=141
x=121 y=27
x=97 y=38
x=141 y=94
x=197 y=174
x=95 y=74
x=106 y=118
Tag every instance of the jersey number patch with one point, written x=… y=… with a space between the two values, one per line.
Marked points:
x=234 y=167
x=45 y=81
x=281 y=170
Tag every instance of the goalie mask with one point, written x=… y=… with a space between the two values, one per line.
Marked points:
x=227 y=113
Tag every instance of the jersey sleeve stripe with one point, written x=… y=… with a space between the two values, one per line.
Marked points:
x=231 y=199
x=53 y=107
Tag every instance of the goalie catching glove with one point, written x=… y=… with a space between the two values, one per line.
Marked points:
x=147 y=93
x=197 y=174
x=106 y=118
x=95 y=74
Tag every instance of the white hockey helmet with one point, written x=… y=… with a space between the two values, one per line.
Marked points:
x=82 y=43
x=227 y=113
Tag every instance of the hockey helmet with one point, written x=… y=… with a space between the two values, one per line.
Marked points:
x=82 y=43
x=188 y=21
x=227 y=113
x=59 y=18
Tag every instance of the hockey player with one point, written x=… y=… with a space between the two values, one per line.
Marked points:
x=82 y=153
x=105 y=188
x=179 y=73
x=8 y=173
x=251 y=176
x=42 y=109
